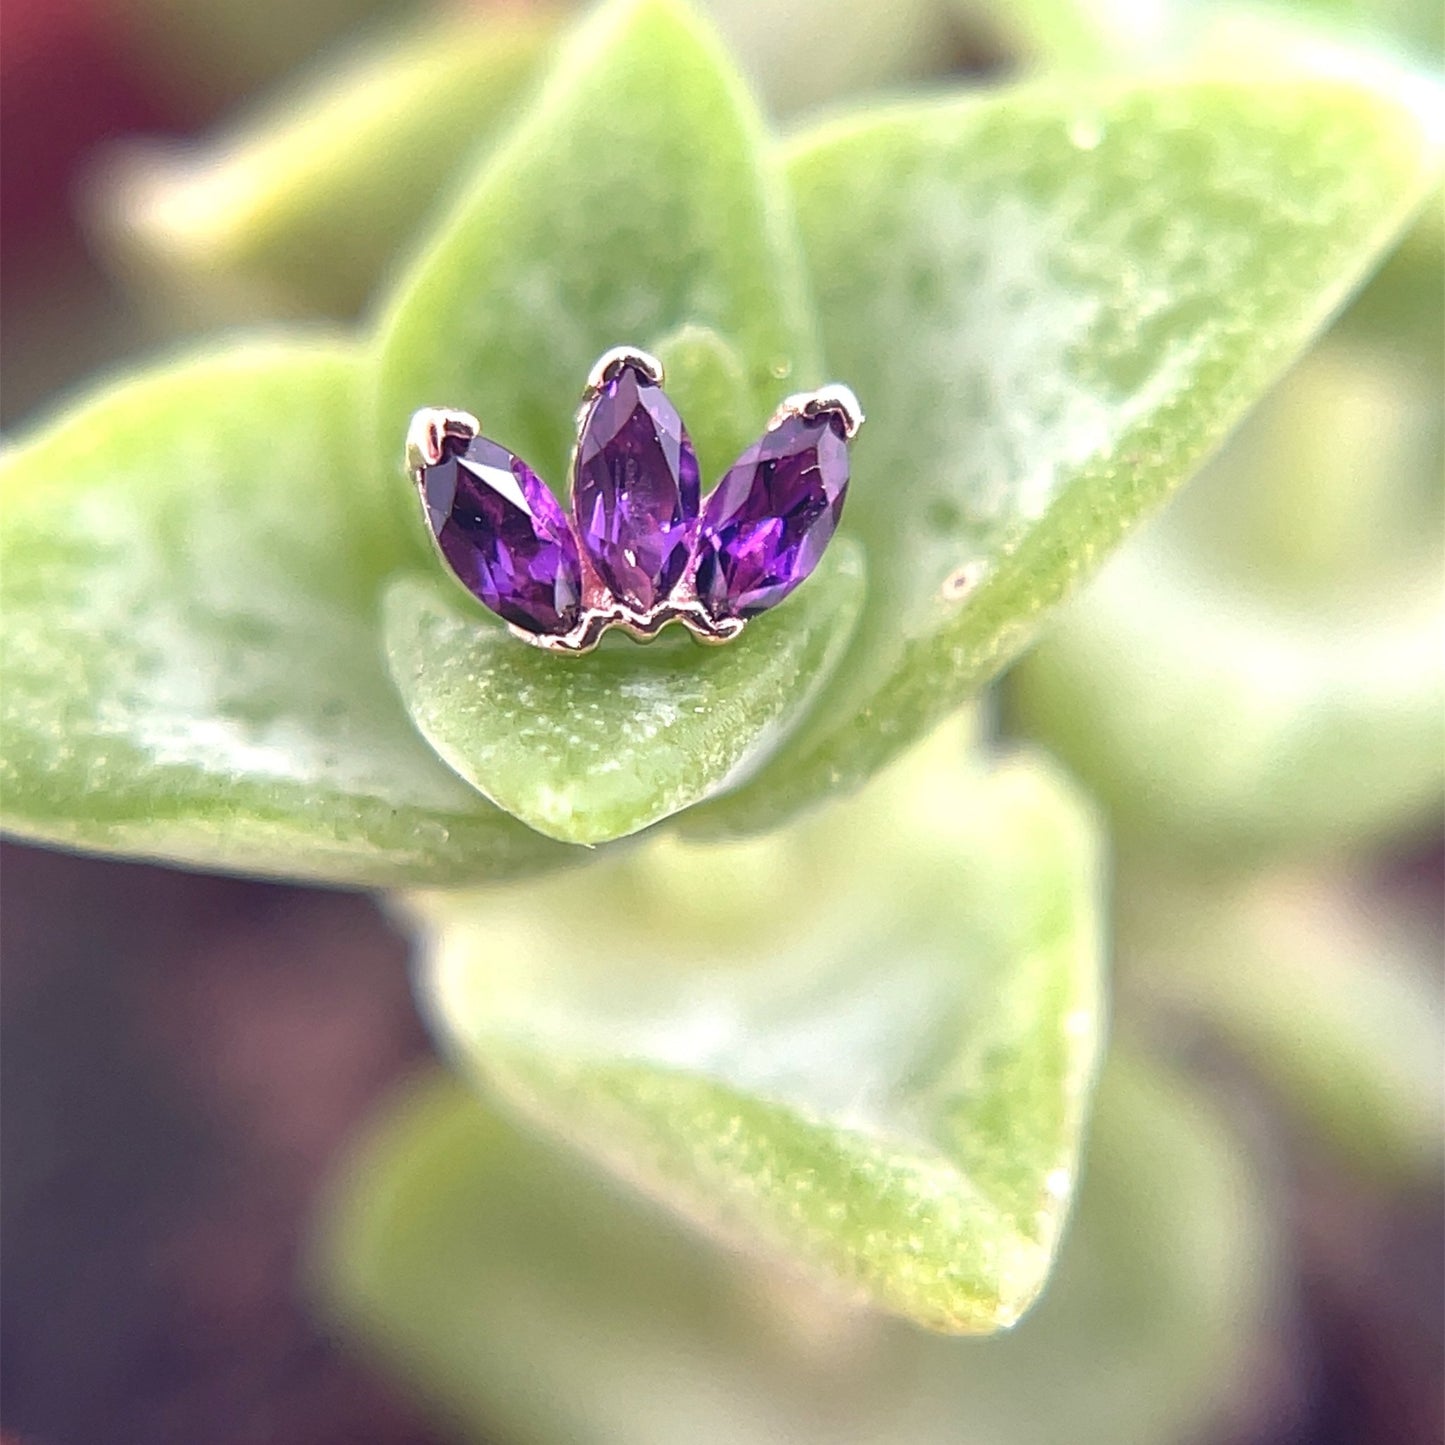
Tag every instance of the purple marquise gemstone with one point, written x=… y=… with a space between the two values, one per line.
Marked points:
x=769 y=519
x=635 y=492
x=504 y=534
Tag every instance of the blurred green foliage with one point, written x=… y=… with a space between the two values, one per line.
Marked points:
x=524 y=1294
x=863 y=1044
x=1282 y=624
x=267 y=219
x=858 y=1050
x=190 y=658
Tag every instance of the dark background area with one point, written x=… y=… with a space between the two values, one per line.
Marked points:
x=182 y=1058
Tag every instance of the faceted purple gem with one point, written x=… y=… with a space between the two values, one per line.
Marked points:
x=635 y=492
x=769 y=519
x=504 y=534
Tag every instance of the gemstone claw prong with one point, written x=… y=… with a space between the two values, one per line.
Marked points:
x=502 y=534
x=635 y=486
x=765 y=525
x=583 y=637
x=427 y=432
x=612 y=361
x=635 y=549
x=709 y=630
x=835 y=398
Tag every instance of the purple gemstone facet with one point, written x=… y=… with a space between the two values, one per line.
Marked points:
x=766 y=525
x=504 y=534
x=635 y=492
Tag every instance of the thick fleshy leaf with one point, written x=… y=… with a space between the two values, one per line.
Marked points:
x=1054 y=303
x=194 y=56
x=1333 y=729
x=1082 y=35
x=517 y=1295
x=707 y=382
x=865 y=1046
x=808 y=52
x=1097 y=36
x=304 y=205
x=1394 y=30
x=638 y=205
x=190 y=653
x=592 y=748
x=1294 y=590
x=636 y=198
x=301 y=207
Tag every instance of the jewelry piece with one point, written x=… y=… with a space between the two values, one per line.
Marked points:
x=641 y=548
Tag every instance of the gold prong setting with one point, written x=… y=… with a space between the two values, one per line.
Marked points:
x=595 y=622
x=834 y=399
x=594 y=608
x=613 y=360
x=427 y=434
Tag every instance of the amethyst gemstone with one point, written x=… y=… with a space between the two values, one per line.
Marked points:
x=504 y=534
x=766 y=525
x=635 y=492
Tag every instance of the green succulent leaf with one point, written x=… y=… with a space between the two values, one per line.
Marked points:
x=303 y=205
x=708 y=382
x=637 y=204
x=1333 y=729
x=1294 y=589
x=190 y=653
x=638 y=197
x=865 y=1046
x=1086 y=36
x=522 y=1297
x=593 y=748
x=300 y=208
x=809 y=52
x=229 y=48
x=1053 y=303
